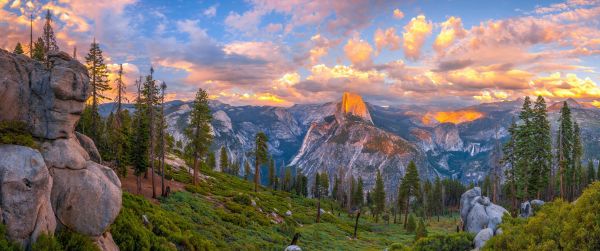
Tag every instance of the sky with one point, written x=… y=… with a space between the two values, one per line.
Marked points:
x=270 y=52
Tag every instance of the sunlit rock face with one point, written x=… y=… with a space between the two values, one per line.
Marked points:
x=454 y=117
x=353 y=104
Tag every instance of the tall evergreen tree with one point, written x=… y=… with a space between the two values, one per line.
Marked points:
x=591 y=174
x=211 y=161
x=438 y=199
x=140 y=139
x=246 y=170
x=324 y=185
x=198 y=131
x=509 y=160
x=541 y=152
x=523 y=150
x=99 y=84
x=224 y=161
x=378 y=196
x=358 y=197
x=38 y=52
x=261 y=152
x=18 y=49
x=49 y=38
x=162 y=128
x=576 y=157
x=271 y=172
x=565 y=149
x=151 y=98
x=410 y=187
x=287 y=179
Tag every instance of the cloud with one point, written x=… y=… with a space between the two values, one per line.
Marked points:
x=452 y=29
x=387 y=39
x=358 y=51
x=210 y=11
x=398 y=14
x=415 y=33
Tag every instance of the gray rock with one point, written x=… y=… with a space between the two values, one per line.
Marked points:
x=86 y=200
x=495 y=214
x=106 y=242
x=528 y=208
x=482 y=236
x=288 y=213
x=49 y=101
x=293 y=248
x=25 y=185
x=477 y=219
x=64 y=153
x=88 y=145
x=465 y=201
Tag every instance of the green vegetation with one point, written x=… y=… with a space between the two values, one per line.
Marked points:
x=218 y=214
x=556 y=226
x=16 y=133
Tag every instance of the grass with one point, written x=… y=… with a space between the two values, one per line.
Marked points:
x=218 y=214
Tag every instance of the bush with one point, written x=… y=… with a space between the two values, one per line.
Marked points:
x=421 y=230
x=242 y=199
x=557 y=225
x=449 y=242
x=6 y=244
x=398 y=247
x=411 y=224
x=46 y=243
x=16 y=133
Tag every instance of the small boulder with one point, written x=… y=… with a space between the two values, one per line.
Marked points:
x=88 y=145
x=106 y=243
x=481 y=237
x=64 y=153
x=288 y=213
x=253 y=202
x=293 y=248
x=76 y=192
x=477 y=219
x=466 y=199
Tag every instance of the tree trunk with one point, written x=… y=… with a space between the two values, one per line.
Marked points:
x=319 y=210
x=256 y=174
x=406 y=210
x=356 y=223
x=139 y=184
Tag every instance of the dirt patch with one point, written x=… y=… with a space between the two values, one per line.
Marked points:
x=129 y=184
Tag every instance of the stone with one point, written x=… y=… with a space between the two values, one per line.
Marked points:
x=86 y=200
x=288 y=213
x=89 y=146
x=25 y=185
x=495 y=214
x=293 y=248
x=64 y=153
x=106 y=243
x=465 y=201
x=477 y=219
x=481 y=237
x=528 y=208
x=253 y=202
x=49 y=101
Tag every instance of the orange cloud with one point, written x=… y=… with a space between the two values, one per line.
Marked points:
x=566 y=86
x=387 y=39
x=415 y=33
x=358 y=51
x=452 y=29
x=398 y=14
x=455 y=117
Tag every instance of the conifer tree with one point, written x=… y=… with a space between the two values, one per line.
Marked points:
x=140 y=138
x=591 y=174
x=49 y=38
x=151 y=98
x=336 y=187
x=211 y=161
x=565 y=149
x=324 y=185
x=39 y=52
x=287 y=179
x=358 y=196
x=317 y=194
x=576 y=157
x=411 y=224
x=438 y=203
x=260 y=154
x=509 y=160
x=246 y=170
x=224 y=161
x=198 y=131
x=162 y=129
x=410 y=187
x=378 y=196
x=271 y=172
x=18 y=49
x=421 y=231
x=523 y=150
x=541 y=159
x=99 y=84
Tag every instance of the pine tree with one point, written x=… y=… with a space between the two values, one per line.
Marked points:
x=150 y=93
x=410 y=187
x=421 y=231
x=576 y=157
x=379 y=196
x=509 y=160
x=198 y=131
x=246 y=170
x=49 y=38
x=99 y=84
x=541 y=157
x=287 y=179
x=324 y=185
x=591 y=174
x=162 y=129
x=336 y=187
x=120 y=128
x=438 y=203
x=260 y=153
x=224 y=161
x=211 y=161
x=565 y=149
x=18 y=49
x=358 y=197
x=39 y=52
x=140 y=139
x=411 y=224
x=428 y=198
x=271 y=172
x=317 y=194
x=523 y=150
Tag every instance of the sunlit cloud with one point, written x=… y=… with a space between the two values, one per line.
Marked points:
x=415 y=33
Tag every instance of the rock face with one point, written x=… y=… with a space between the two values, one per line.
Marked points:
x=528 y=208
x=480 y=216
x=353 y=104
x=25 y=185
x=353 y=146
x=62 y=183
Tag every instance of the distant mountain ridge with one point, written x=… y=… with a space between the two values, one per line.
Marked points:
x=327 y=136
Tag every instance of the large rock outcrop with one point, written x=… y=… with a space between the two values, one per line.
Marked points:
x=479 y=215
x=61 y=184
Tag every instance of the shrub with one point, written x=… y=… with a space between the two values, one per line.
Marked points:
x=557 y=225
x=448 y=242
x=421 y=230
x=398 y=247
x=70 y=240
x=6 y=244
x=242 y=199
x=16 y=133
x=411 y=224
x=46 y=243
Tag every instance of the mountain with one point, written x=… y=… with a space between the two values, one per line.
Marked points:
x=357 y=137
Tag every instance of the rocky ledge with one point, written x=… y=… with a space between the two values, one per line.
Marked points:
x=61 y=185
